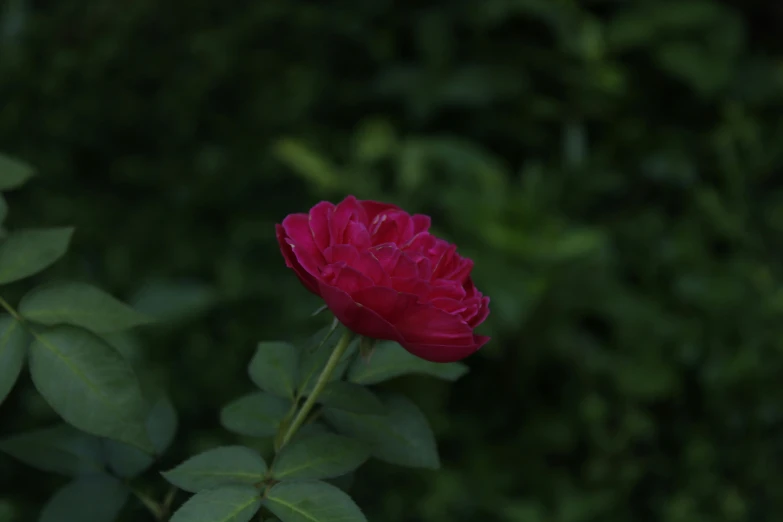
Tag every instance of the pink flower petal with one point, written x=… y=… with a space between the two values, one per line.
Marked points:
x=341 y=253
x=307 y=279
x=368 y=265
x=392 y=227
x=411 y=285
x=297 y=228
x=346 y=212
x=386 y=302
x=373 y=208
x=451 y=306
x=387 y=255
x=482 y=313
x=446 y=288
x=420 y=243
x=452 y=266
x=425 y=324
x=356 y=317
x=356 y=234
x=441 y=353
x=421 y=223
x=405 y=267
x=347 y=279
x=318 y=219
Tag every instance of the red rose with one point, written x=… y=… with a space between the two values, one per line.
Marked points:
x=384 y=276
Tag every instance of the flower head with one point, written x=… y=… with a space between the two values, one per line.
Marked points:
x=384 y=276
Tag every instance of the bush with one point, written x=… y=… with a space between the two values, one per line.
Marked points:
x=609 y=167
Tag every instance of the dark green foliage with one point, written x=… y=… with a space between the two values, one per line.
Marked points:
x=610 y=166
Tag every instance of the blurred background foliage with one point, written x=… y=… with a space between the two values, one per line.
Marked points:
x=609 y=165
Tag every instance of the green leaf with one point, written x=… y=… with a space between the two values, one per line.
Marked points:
x=218 y=467
x=13 y=344
x=128 y=345
x=89 y=499
x=60 y=449
x=26 y=252
x=392 y=360
x=127 y=461
x=319 y=456
x=257 y=414
x=311 y=501
x=402 y=436
x=89 y=385
x=79 y=304
x=13 y=173
x=274 y=368
x=350 y=396
x=234 y=503
x=309 y=429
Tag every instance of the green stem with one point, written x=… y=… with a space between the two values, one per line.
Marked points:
x=10 y=309
x=320 y=384
x=19 y=319
x=306 y=382
x=168 y=501
x=156 y=509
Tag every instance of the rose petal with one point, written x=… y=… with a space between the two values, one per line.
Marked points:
x=368 y=265
x=356 y=234
x=341 y=253
x=451 y=306
x=421 y=223
x=386 y=302
x=345 y=278
x=300 y=239
x=394 y=226
x=405 y=267
x=451 y=265
x=411 y=285
x=446 y=288
x=386 y=231
x=347 y=211
x=425 y=324
x=356 y=317
x=387 y=255
x=440 y=353
x=420 y=243
x=318 y=219
x=482 y=313
x=306 y=278
x=374 y=208
x=461 y=268
x=470 y=309
x=423 y=268
x=297 y=228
